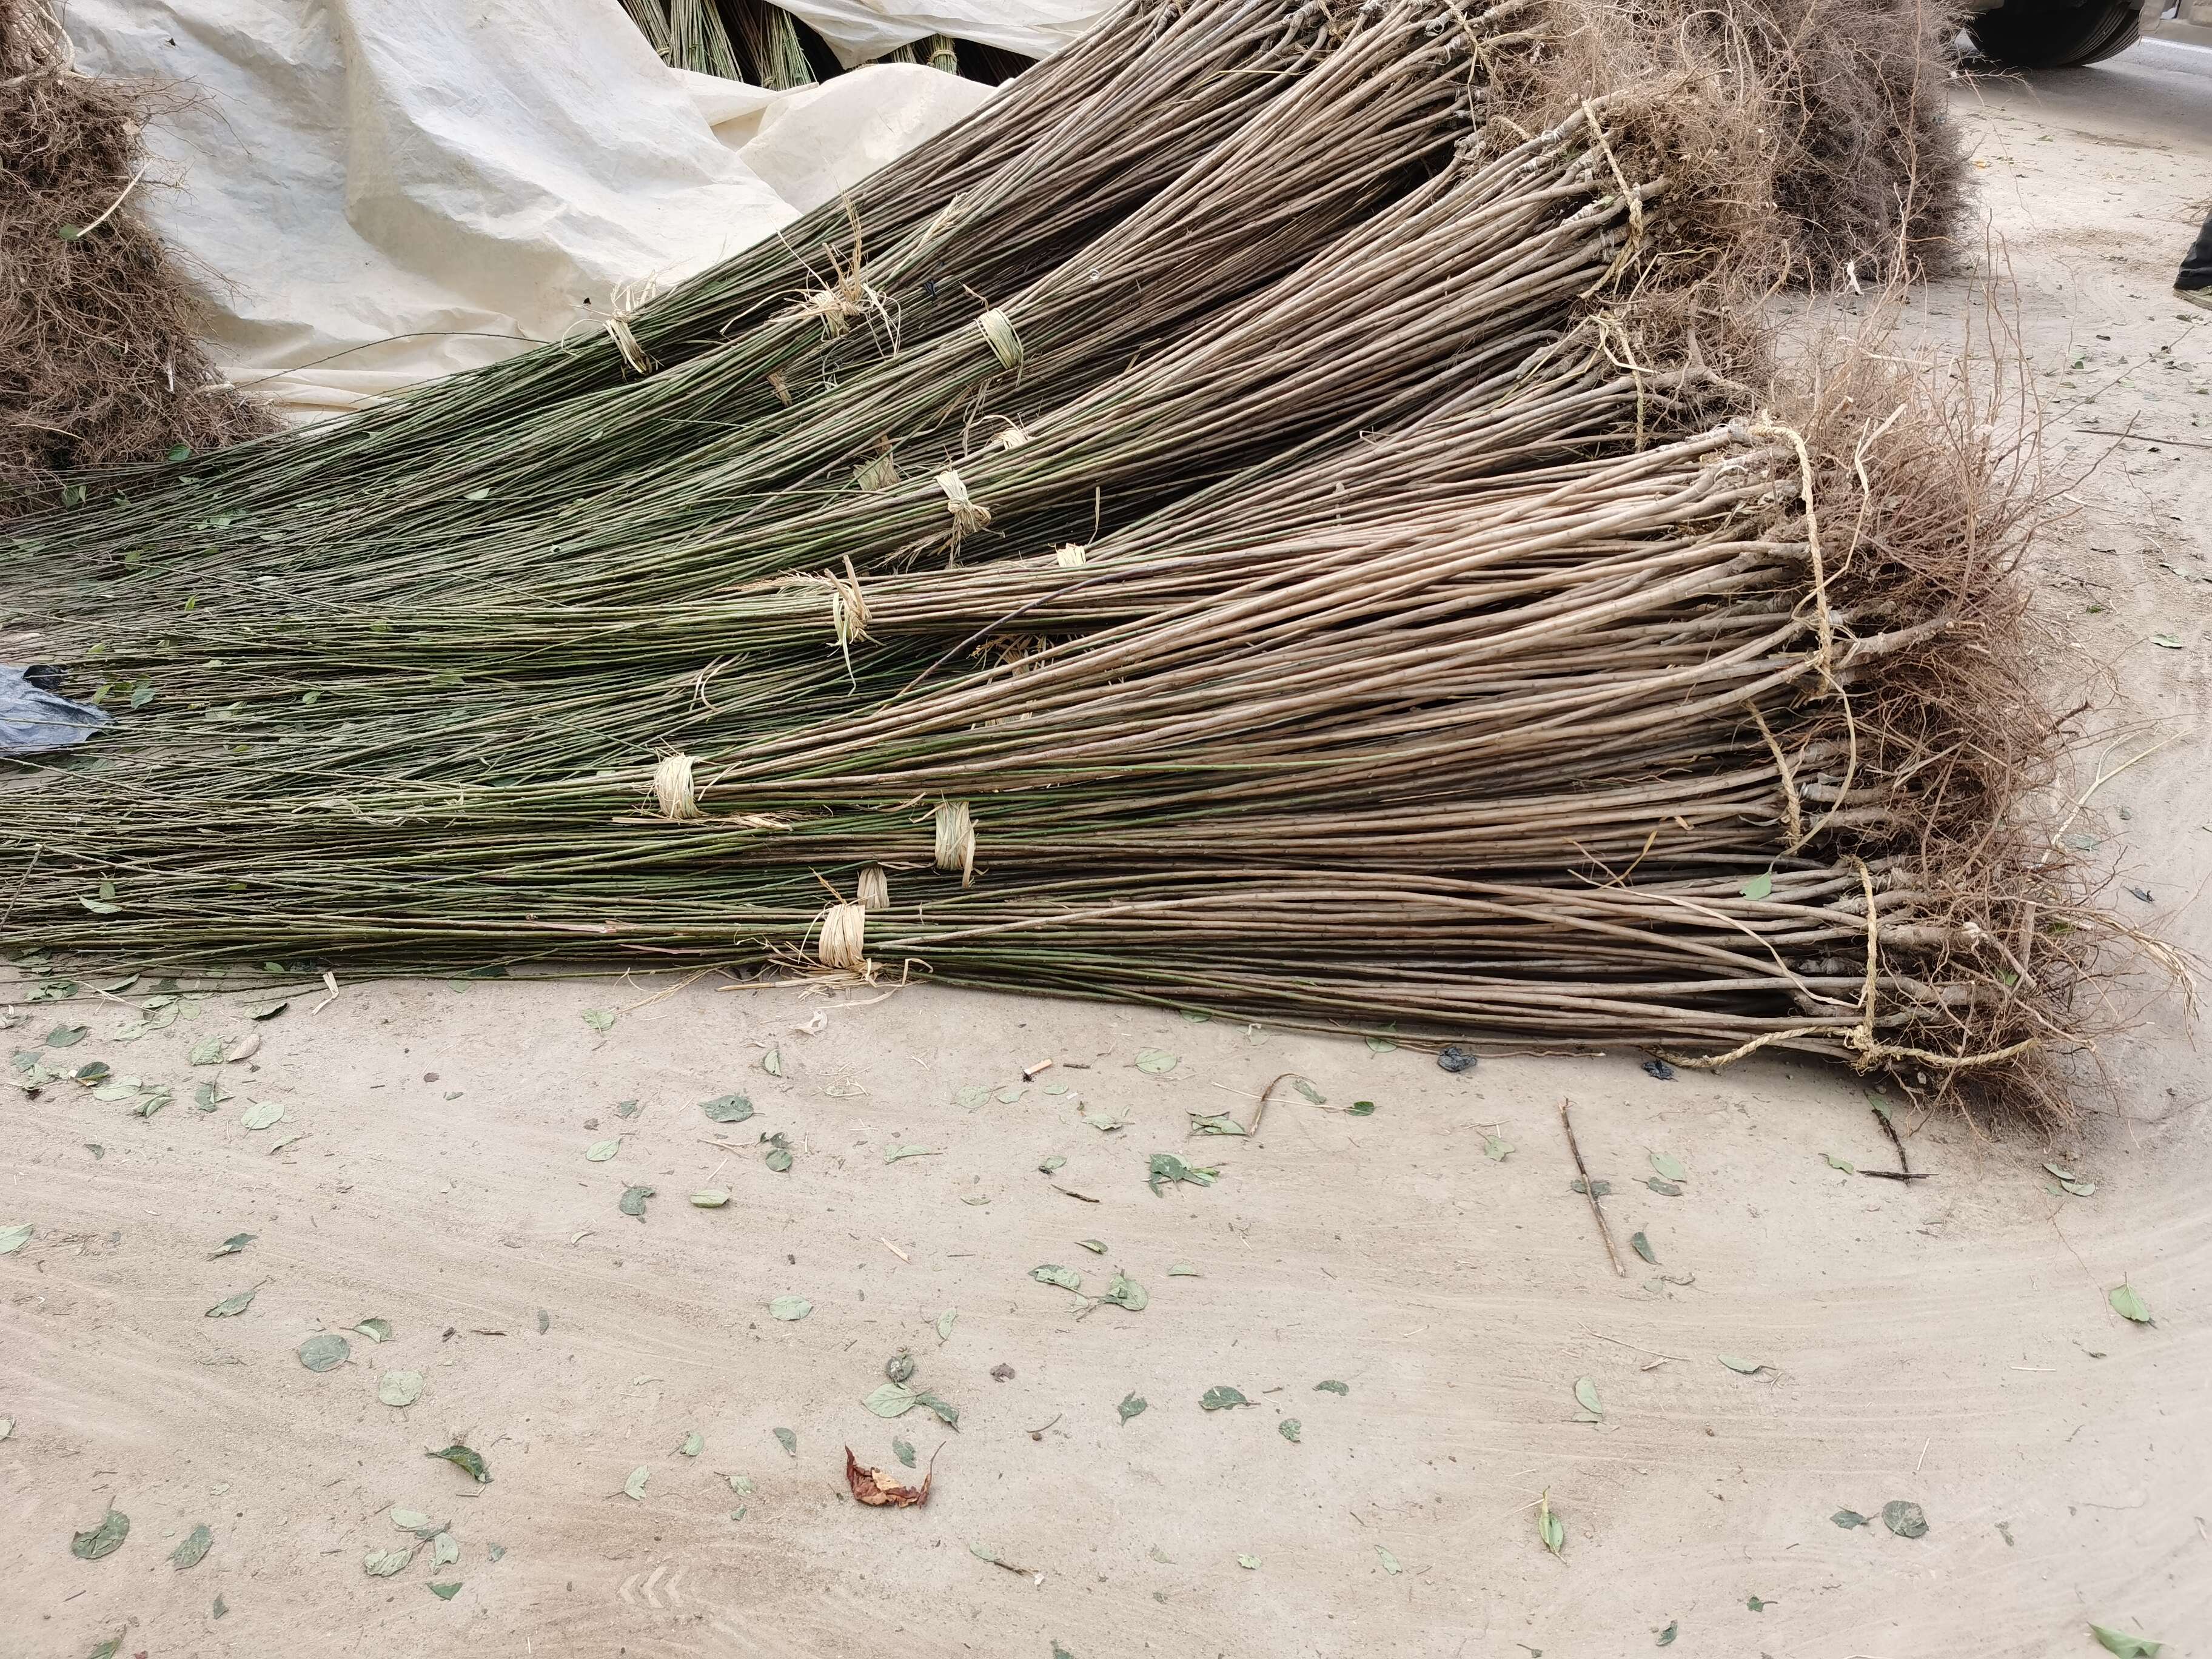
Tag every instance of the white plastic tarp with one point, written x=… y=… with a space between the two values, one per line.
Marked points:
x=859 y=31
x=375 y=191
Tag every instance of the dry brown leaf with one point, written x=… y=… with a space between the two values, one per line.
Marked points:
x=877 y=1490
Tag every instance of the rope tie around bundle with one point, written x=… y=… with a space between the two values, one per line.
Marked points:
x=1005 y=344
x=969 y=515
x=673 y=790
x=632 y=354
x=873 y=888
x=842 y=939
x=1070 y=556
x=1013 y=437
x=841 y=305
x=956 y=841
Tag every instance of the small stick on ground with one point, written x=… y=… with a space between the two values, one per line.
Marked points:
x=1904 y=1171
x=1589 y=1190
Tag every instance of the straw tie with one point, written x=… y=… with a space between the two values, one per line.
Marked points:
x=1069 y=554
x=969 y=515
x=1005 y=344
x=844 y=937
x=672 y=790
x=955 y=840
x=875 y=887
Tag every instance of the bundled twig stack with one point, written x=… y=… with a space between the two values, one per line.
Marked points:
x=1319 y=559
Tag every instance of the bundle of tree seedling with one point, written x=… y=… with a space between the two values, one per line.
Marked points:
x=1355 y=578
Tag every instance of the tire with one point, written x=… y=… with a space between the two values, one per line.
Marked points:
x=2047 y=34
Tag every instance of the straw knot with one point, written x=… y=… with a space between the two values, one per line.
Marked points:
x=672 y=790
x=874 y=887
x=1005 y=344
x=1069 y=554
x=1013 y=437
x=843 y=938
x=969 y=515
x=839 y=305
x=626 y=343
x=955 y=840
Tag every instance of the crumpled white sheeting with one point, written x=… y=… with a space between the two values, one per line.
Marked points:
x=861 y=30
x=373 y=192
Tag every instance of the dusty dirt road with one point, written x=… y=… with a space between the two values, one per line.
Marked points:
x=1946 y=1344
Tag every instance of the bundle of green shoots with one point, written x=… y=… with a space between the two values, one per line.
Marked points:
x=1297 y=566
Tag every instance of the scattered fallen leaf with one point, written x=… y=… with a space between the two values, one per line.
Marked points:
x=1578 y=1185
x=1389 y=1561
x=376 y=1330
x=772 y=1062
x=635 y=1487
x=790 y=1307
x=601 y=1020
x=943 y=1410
x=444 y=1592
x=632 y=1201
x=1848 y=1518
x=894 y=1153
x=1586 y=1397
x=231 y=1305
x=1207 y=1123
x=1669 y=1167
x=890 y=1399
x=1757 y=1605
x=1166 y=1167
x=1221 y=1397
x=1332 y=1387
x=1096 y=1246
x=600 y=1151
x=2126 y=1646
x=444 y=1550
x=66 y=1036
x=1360 y=1108
x=1305 y=1087
x=1154 y=1061
x=710 y=1198
x=103 y=1540
x=693 y=1443
x=971 y=1096
x=1904 y=1519
x=1133 y=1405
x=1492 y=1147
x=324 y=1352
x=1664 y=1188
x=234 y=1245
x=726 y=1108
x=1549 y=1527
x=1835 y=1163
x=1667 y=1635
x=208 y=1051
x=416 y=1522
x=1380 y=1045
x=1760 y=886
x=261 y=1114
x=787 y=1440
x=1290 y=1428
x=400 y=1388
x=1249 y=1563
x=1746 y=1366
x=464 y=1459
x=2166 y=642
x=742 y=1484
x=2129 y=1304
x=382 y=1563
x=778 y=1156
x=1182 y=1270
x=1642 y=1245
x=879 y=1490
x=945 y=1324
x=904 y=1451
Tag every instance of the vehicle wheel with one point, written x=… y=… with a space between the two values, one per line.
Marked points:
x=2045 y=35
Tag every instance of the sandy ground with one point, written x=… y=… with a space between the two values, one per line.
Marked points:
x=1946 y=1344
